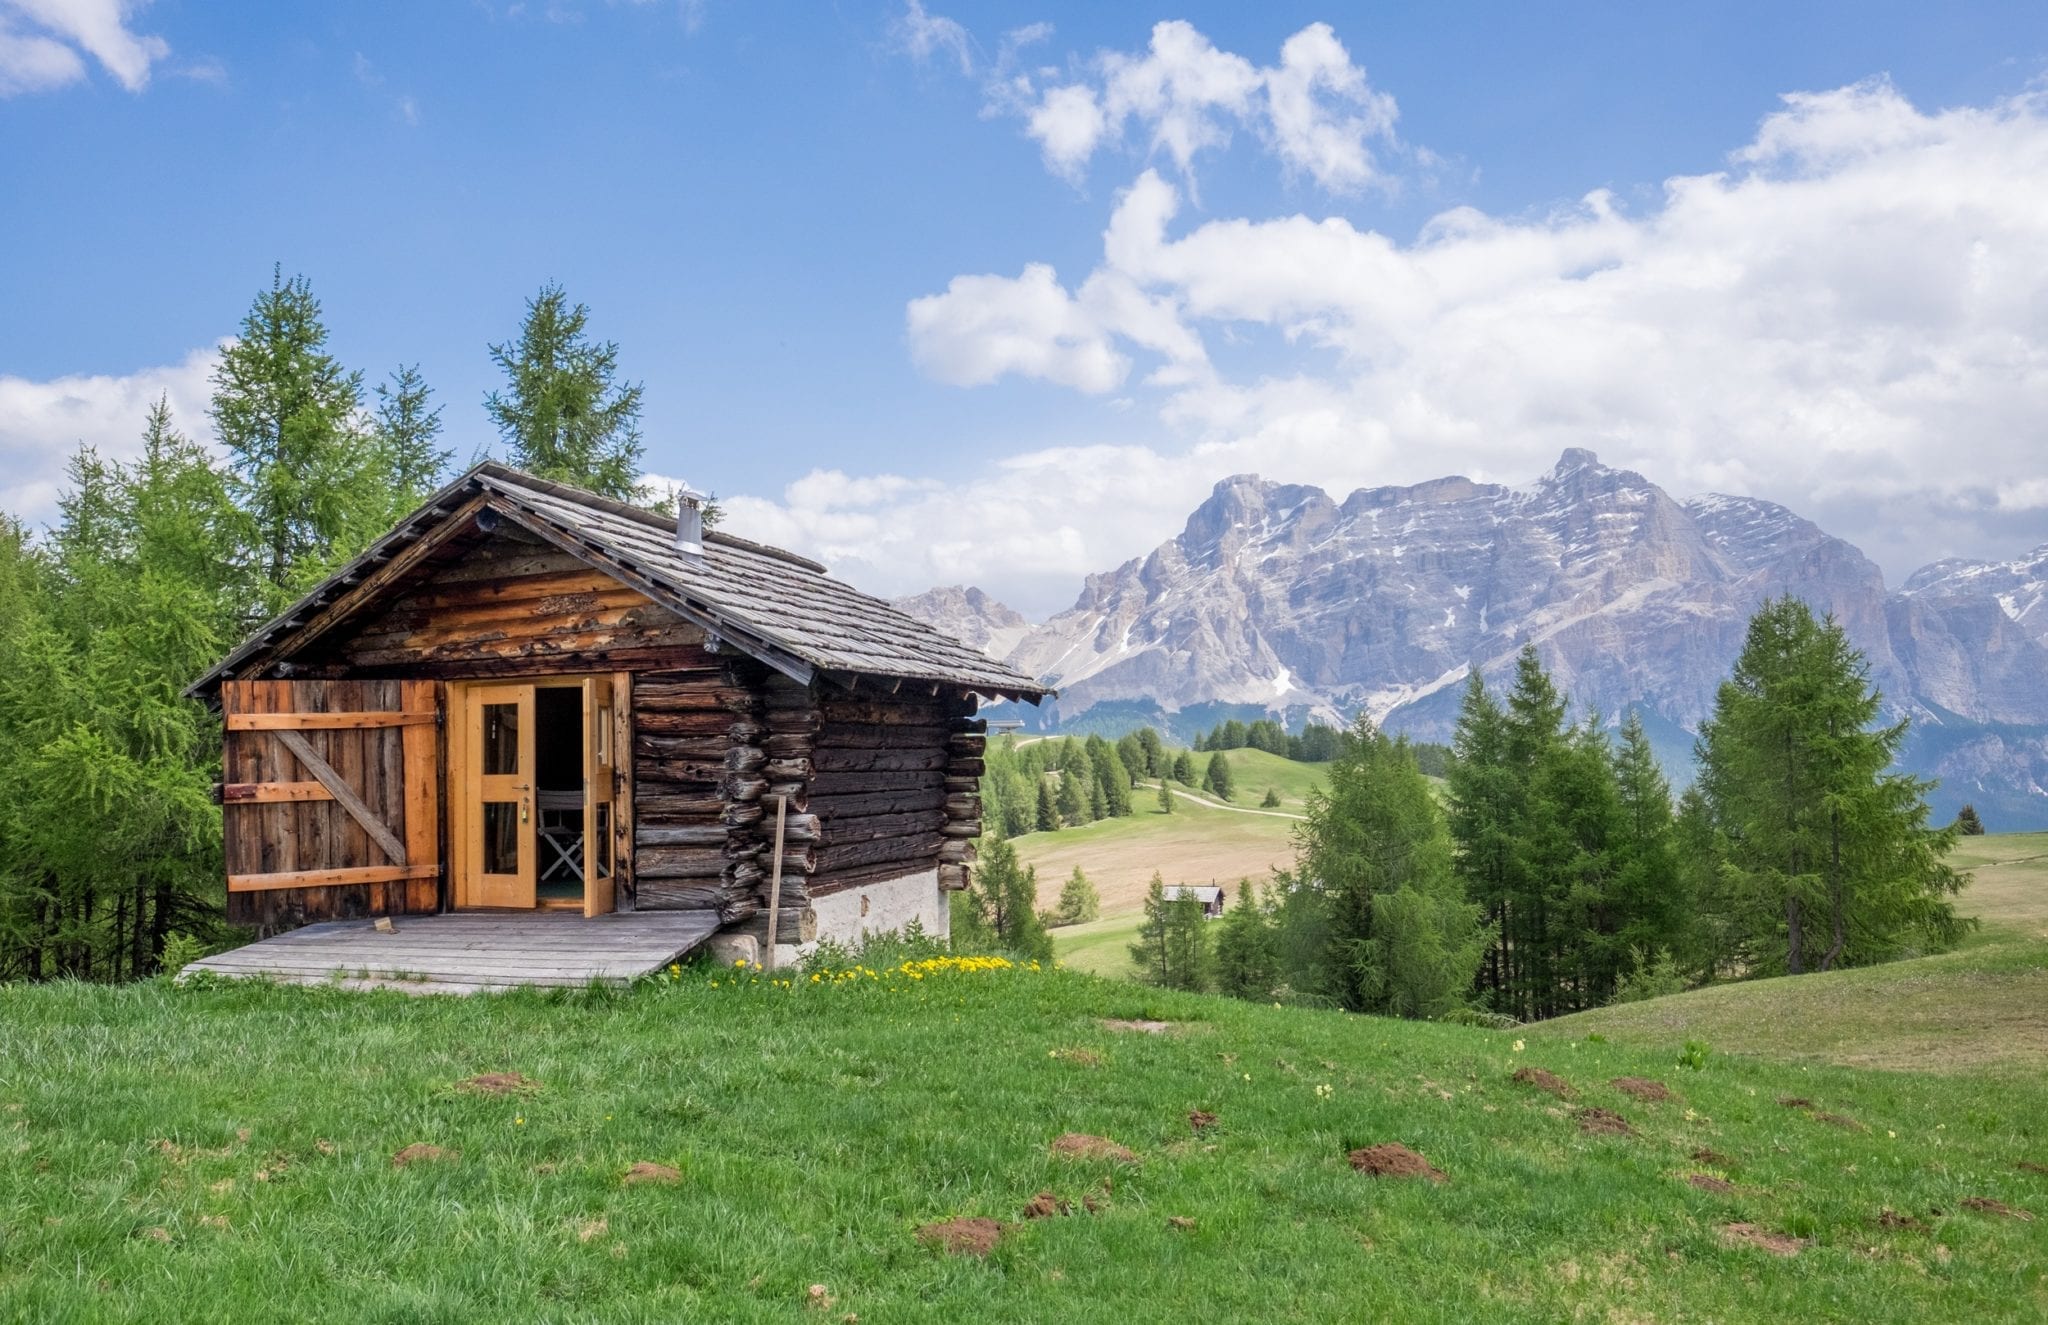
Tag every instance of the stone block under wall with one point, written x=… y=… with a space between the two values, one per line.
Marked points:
x=851 y=914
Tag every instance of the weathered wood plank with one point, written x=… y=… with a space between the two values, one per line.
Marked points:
x=393 y=849
x=268 y=793
x=336 y=721
x=247 y=883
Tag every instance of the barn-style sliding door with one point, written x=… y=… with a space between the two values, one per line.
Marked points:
x=330 y=800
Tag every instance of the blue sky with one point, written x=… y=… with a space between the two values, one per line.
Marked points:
x=753 y=198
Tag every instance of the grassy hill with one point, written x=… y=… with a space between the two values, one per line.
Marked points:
x=1983 y=1008
x=227 y=1153
x=1198 y=843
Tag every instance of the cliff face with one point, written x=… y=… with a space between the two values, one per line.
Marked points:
x=1279 y=596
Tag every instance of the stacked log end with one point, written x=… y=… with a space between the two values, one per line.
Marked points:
x=966 y=745
x=698 y=761
x=872 y=786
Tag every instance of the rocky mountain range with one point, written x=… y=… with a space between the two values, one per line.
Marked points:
x=1279 y=598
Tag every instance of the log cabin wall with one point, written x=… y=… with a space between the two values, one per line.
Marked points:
x=508 y=605
x=697 y=789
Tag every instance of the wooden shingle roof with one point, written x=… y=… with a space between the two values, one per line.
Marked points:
x=762 y=601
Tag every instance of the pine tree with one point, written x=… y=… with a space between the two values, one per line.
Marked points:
x=1184 y=769
x=1247 y=964
x=408 y=432
x=1967 y=822
x=562 y=414
x=1005 y=903
x=1272 y=800
x=1165 y=797
x=1190 y=958
x=1154 y=764
x=1834 y=848
x=1371 y=832
x=300 y=469
x=1112 y=781
x=1150 y=953
x=1079 y=902
x=1048 y=816
x=1073 y=798
x=1217 y=778
x=1130 y=752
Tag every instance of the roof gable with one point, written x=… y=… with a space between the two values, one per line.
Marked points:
x=772 y=605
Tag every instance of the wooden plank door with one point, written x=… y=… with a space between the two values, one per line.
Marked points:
x=600 y=875
x=330 y=800
x=499 y=857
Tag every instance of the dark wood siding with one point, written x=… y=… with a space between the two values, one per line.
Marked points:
x=510 y=607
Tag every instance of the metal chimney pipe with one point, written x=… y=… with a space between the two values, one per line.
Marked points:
x=689 y=521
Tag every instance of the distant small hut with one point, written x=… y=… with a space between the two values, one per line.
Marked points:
x=1212 y=898
x=530 y=697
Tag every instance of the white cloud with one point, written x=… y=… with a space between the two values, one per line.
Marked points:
x=40 y=41
x=1852 y=319
x=42 y=423
x=1314 y=110
x=922 y=35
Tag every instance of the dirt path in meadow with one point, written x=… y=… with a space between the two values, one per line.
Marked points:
x=1190 y=796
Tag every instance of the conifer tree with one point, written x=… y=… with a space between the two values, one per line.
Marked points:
x=1217 y=778
x=1246 y=958
x=1371 y=832
x=1154 y=764
x=1150 y=952
x=1079 y=902
x=300 y=469
x=408 y=431
x=1005 y=903
x=1048 y=816
x=1272 y=800
x=1184 y=769
x=1191 y=958
x=1967 y=822
x=562 y=414
x=1073 y=798
x=1835 y=849
x=1165 y=797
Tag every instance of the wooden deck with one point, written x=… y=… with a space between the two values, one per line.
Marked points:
x=471 y=951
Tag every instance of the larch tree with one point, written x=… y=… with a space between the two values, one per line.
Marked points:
x=1247 y=961
x=302 y=468
x=562 y=413
x=1217 y=778
x=1832 y=847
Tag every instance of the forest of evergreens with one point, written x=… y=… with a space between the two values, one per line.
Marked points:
x=1556 y=873
x=109 y=840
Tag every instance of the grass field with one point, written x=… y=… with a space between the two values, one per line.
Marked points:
x=1981 y=1009
x=1197 y=843
x=227 y=1154
x=1253 y=771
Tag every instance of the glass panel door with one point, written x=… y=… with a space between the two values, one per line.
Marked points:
x=498 y=742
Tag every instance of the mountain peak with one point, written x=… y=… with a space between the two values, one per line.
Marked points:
x=1574 y=459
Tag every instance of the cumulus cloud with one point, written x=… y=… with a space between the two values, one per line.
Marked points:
x=41 y=42
x=1850 y=318
x=42 y=423
x=1314 y=110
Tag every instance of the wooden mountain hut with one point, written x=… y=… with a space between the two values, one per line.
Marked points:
x=529 y=697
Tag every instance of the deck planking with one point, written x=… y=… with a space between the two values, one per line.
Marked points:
x=471 y=952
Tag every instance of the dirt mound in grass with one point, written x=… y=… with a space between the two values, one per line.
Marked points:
x=1044 y=1206
x=1642 y=1088
x=2029 y=1166
x=1749 y=1235
x=1842 y=1121
x=1391 y=1159
x=1142 y=1025
x=1892 y=1219
x=1713 y=1157
x=419 y=1152
x=1542 y=1080
x=1080 y=1145
x=1603 y=1122
x=1984 y=1205
x=499 y=1083
x=651 y=1173
x=1707 y=1182
x=963 y=1236
x=1201 y=1118
x=1795 y=1101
